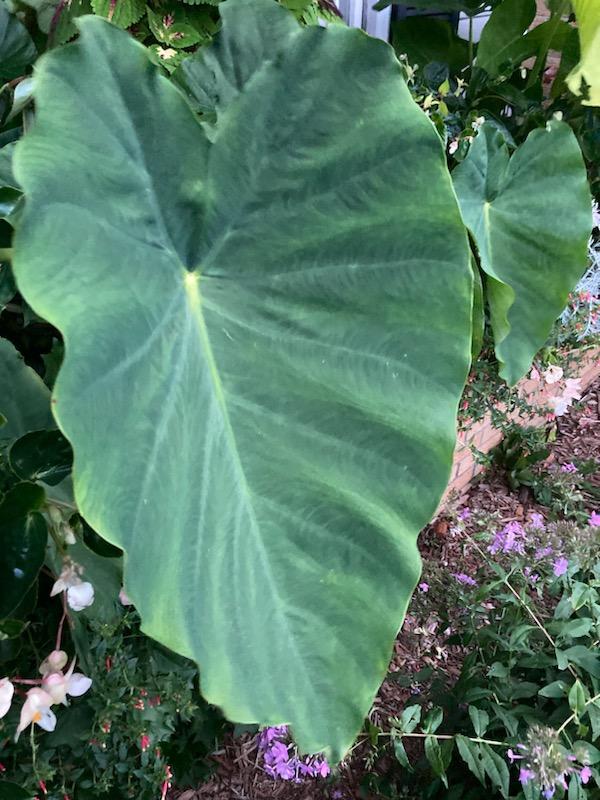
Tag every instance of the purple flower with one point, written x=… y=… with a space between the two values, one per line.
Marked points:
x=549 y=792
x=594 y=520
x=464 y=579
x=536 y=520
x=512 y=756
x=526 y=775
x=423 y=587
x=543 y=552
x=585 y=774
x=465 y=513
x=560 y=566
x=321 y=768
x=509 y=539
x=286 y=769
x=568 y=467
x=270 y=734
x=276 y=754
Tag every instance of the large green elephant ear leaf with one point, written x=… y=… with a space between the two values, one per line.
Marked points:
x=587 y=72
x=264 y=350
x=530 y=215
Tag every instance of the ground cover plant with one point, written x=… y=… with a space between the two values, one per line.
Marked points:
x=256 y=312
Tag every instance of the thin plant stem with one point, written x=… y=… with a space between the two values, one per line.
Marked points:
x=573 y=715
x=471 y=48
x=533 y=616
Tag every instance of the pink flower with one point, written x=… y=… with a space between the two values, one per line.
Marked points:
x=144 y=742
x=594 y=519
x=424 y=587
x=526 y=775
x=585 y=774
x=568 y=467
x=560 y=566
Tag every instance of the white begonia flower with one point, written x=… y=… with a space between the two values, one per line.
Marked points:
x=553 y=374
x=59 y=685
x=6 y=695
x=54 y=662
x=36 y=710
x=80 y=596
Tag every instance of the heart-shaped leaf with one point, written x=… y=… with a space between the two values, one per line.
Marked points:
x=264 y=353
x=530 y=216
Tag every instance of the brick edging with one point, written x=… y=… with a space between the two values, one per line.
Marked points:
x=484 y=436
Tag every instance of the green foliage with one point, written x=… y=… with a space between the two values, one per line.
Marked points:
x=247 y=378
x=502 y=32
x=530 y=218
x=426 y=40
x=530 y=671
x=585 y=78
x=17 y=50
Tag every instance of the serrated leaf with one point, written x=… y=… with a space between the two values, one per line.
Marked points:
x=530 y=217
x=65 y=22
x=121 y=13
x=261 y=403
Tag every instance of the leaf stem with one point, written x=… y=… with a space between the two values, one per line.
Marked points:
x=533 y=616
x=573 y=715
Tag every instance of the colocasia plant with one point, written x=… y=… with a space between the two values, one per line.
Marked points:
x=268 y=290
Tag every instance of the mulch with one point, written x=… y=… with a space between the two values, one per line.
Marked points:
x=238 y=773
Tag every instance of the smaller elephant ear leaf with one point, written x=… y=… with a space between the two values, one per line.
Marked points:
x=530 y=216
x=17 y=50
x=23 y=535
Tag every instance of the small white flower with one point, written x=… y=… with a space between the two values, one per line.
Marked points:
x=59 y=685
x=6 y=695
x=477 y=123
x=553 y=374
x=596 y=214
x=453 y=147
x=80 y=596
x=36 y=709
x=54 y=662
